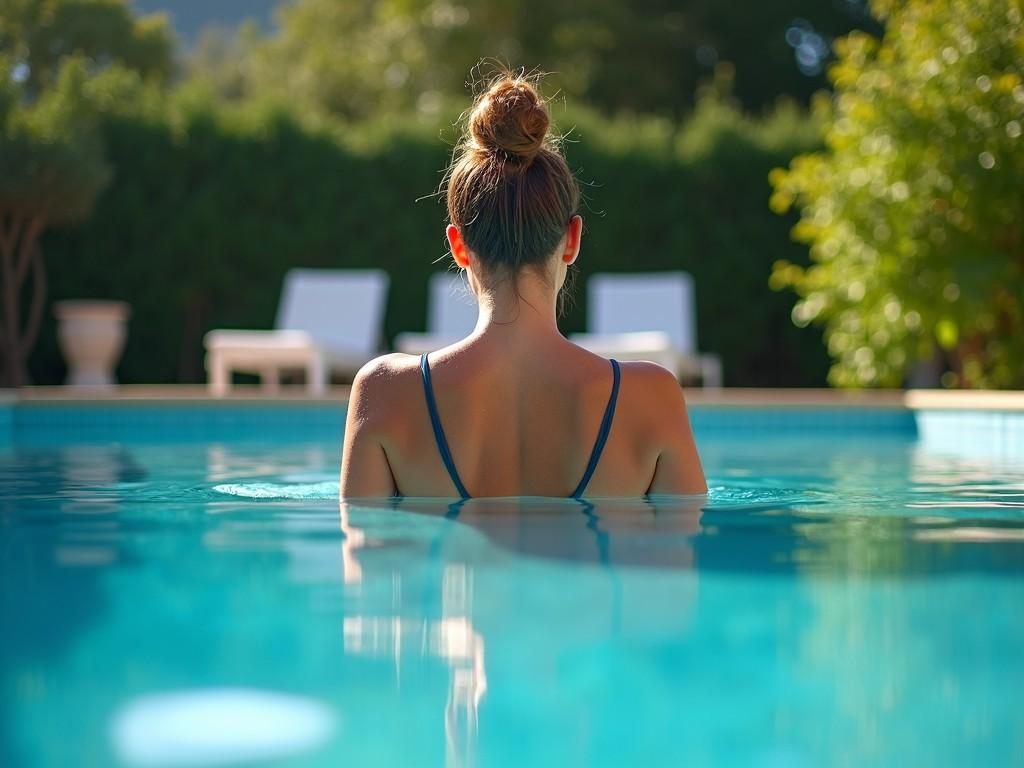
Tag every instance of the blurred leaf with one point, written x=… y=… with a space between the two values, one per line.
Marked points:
x=913 y=213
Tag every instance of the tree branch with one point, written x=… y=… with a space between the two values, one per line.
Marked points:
x=35 y=312
x=11 y=291
x=6 y=355
x=27 y=249
x=5 y=252
x=9 y=234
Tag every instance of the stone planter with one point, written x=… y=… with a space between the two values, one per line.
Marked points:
x=91 y=336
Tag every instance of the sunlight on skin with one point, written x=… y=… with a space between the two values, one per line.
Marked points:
x=489 y=299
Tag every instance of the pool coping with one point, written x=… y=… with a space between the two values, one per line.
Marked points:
x=741 y=398
x=990 y=422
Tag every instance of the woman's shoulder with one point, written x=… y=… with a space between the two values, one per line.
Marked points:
x=640 y=381
x=649 y=377
x=388 y=369
x=384 y=381
x=651 y=393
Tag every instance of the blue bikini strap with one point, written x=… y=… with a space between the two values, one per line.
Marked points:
x=435 y=422
x=602 y=435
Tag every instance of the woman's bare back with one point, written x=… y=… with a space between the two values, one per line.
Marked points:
x=518 y=424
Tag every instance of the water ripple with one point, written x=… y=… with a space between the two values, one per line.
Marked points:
x=280 y=491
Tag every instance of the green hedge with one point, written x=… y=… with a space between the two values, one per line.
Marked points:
x=210 y=206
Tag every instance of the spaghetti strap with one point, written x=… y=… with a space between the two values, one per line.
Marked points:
x=446 y=454
x=602 y=435
x=435 y=422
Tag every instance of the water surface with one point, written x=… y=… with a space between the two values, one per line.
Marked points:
x=833 y=602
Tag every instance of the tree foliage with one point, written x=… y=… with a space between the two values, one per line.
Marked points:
x=211 y=205
x=914 y=213
x=210 y=201
x=51 y=167
x=364 y=57
x=60 y=64
x=37 y=35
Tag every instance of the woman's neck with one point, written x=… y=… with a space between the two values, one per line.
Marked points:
x=519 y=308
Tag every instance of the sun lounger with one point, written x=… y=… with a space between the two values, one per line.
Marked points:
x=328 y=321
x=648 y=316
x=451 y=315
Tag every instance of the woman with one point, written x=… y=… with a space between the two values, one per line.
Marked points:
x=514 y=408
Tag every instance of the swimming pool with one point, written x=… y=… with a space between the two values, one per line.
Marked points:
x=178 y=588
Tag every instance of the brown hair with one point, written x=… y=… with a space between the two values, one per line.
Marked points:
x=510 y=191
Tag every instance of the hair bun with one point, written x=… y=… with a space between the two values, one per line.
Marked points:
x=510 y=118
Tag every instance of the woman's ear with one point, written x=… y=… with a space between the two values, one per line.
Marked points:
x=458 y=246
x=573 y=235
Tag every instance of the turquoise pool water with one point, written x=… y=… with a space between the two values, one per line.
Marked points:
x=843 y=598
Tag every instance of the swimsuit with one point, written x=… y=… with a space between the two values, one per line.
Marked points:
x=446 y=454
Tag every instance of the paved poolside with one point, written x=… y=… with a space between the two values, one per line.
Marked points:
x=915 y=399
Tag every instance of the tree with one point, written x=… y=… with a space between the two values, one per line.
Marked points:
x=914 y=212
x=51 y=168
x=60 y=62
x=37 y=35
x=365 y=57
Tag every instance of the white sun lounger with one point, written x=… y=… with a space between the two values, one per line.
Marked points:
x=328 y=320
x=648 y=316
x=451 y=315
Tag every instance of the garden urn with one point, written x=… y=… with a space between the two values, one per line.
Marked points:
x=91 y=335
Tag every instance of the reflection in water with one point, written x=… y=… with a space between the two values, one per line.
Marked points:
x=834 y=586
x=469 y=680
x=840 y=583
x=601 y=532
x=226 y=462
x=450 y=637
x=61 y=529
x=351 y=571
x=92 y=478
x=614 y=532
